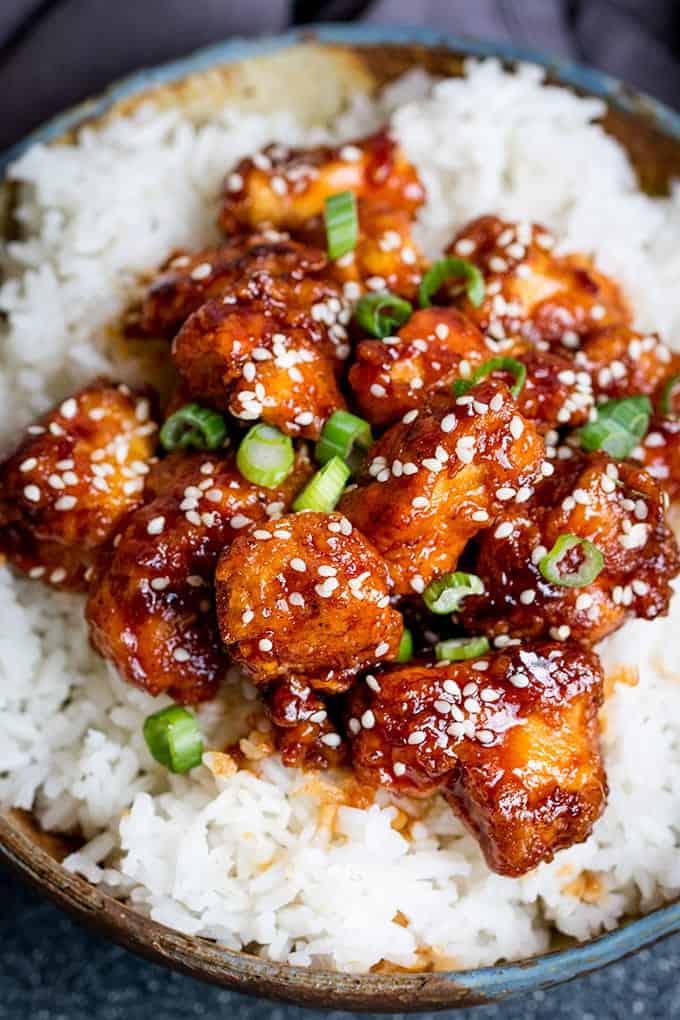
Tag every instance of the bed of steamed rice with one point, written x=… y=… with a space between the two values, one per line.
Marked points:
x=267 y=856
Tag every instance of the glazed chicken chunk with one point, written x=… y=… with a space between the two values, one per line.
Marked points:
x=304 y=732
x=151 y=607
x=287 y=188
x=441 y=475
x=74 y=477
x=512 y=740
x=579 y=593
x=659 y=453
x=239 y=358
x=307 y=596
x=623 y=363
x=530 y=291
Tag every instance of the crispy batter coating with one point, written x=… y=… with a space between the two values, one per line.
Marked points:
x=73 y=478
x=616 y=506
x=439 y=476
x=189 y=279
x=390 y=377
x=514 y=744
x=242 y=359
x=659 y=453
x=531 y=292
x=304 y=733
x=151 y=608
x=623 y=363
x=285 y=188
x=307 y=596
x=555 y=394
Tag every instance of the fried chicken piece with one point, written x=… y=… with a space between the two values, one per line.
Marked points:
x=531 y=292
x=286 y=188
x=253 y=364
x=555 y=394
x=73 y=478
x=189 y=279
x=439 y=476
x=659 y=453
x=614 y=505
x=304 y=733
x=390 y=377
x=306 y=596
x=623 y=363
x=151 y=608
x=514 y=746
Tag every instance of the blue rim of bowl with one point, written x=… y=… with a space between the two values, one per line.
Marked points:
x=557 y=966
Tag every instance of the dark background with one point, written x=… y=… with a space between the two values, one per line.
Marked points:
x=54 y=53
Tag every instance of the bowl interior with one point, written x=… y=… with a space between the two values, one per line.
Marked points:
x=263 y=75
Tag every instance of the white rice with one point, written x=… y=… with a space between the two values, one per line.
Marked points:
x=266 y=856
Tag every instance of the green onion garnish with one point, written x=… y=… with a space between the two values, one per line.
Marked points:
x=340 y=434
x=500 y=364
x=445 y=593
x=193 y=425
x=619 y=426
x=666 y=401
x=265 y=456
x=459 y=649
x=342 y=225
x=174 y=739
x=323 y=491
x=405 y=652
x=382 y=313
x=593 y=562
x=442 y=271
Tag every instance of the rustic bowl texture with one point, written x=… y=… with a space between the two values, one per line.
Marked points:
x=275 y=74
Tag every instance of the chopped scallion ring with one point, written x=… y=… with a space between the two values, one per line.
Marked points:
x=459 y=649
x=405 y=652
x=193 y=425
x=174 y=739
x=323 y=491
x=342 y=224
x=265 y=456
x=500 y=364
x=446 y=268
x=382 y=313
x=592 y=564
x=340 y=434
x=666 y=401
x=446 y=593
x=619 y=426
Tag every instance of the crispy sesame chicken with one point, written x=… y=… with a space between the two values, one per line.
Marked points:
x=441 y=475
x=74 y=477
x=623 y=363
x=305 y=735
x=530 y=291
x=286 y=188
x=253 y=364
x=659 y=453
x=511 y=739
x=189 y=279
x=151 y=606
x=392 y=376
x=307 y=596
x=614 y=505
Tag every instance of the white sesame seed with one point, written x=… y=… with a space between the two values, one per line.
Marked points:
x=58 y=575
x=55 y=482
x=331 y=740
x=201 y=271
x=516 y=427
x=298 y=564
x=527 y=596
x=417 y=583
x=28 y=464
x=417 y=737
x=448 y=423
x=503 y=530
x=160 y=583
x=518 y=679
x=181 y=655
x=69 y=408
x=65 y=503
x=480 y=516
x=377 y=390
x=326 y=588
x=326 y=571
x=409 y=417
x=382 y=649
x=505 y=493
x=583 y=602
x=261 y=535
x=32 y=493
x=368 y=720
x=155 y=526
x=399 y=768
x=239 y=521
x=420 y=502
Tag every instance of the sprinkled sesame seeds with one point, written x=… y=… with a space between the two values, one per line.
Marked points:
x=265 y=645
x=503 y=530
x=417 y=737
x=298 y=564
x=382 y=649
x=32 y=493
x=65 y=503
x=368 y=719
x=201 y=271
x=160 y=583
x=69 y=408
x=181 y=655
x=326 y=588
x=58 y=575
x=399 y=768
x=28 y=464
x=331 y=740
x=155 y=526
x=410 y=416
x=448 y=423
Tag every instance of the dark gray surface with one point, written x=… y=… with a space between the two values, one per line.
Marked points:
x=51 y=969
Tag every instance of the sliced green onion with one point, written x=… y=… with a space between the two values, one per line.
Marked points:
x=323 y=491
x=174 y=739
x=446 y=593
x=666 y=401
x=619 y=427
x=593 y=562
x=382 y=313
x=500 y=364
x=459 y=649
x=405 y=646
x=342 y=225
x=340 y=434
x=442 y=271
x=193 y=425
x=265 y=456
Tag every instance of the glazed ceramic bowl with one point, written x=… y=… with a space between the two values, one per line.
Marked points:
x=270 y=74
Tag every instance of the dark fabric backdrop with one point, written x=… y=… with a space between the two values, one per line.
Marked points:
x=55 y=52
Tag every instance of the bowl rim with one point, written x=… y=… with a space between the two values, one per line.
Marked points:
x=340 y=989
